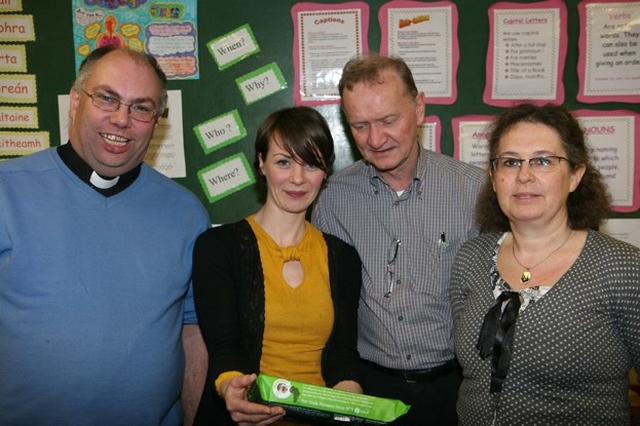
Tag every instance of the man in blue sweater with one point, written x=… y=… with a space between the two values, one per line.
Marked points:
x=97 y=325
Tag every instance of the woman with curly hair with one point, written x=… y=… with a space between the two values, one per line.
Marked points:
x=546 y=308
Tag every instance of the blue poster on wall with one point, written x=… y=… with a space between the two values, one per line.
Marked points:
x=165 y=30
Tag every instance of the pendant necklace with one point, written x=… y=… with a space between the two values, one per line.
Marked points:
x=526 y=276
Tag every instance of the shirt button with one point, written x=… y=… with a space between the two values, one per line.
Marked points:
x=408 y=356
x=400 y=318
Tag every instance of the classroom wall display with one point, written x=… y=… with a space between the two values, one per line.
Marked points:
x=609 y=64
x=166 y=30
x=246 y=68
x=326 y=36
x=526 y=53
x=18 y=87
x=425 y=35
x=614 y=137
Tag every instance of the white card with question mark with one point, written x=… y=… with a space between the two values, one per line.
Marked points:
x=261 y=83
x=233 y=47
x=220 y=131
x=226 y=177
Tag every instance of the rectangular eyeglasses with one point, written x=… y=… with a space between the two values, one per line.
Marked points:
x=139 y=111
x=545 y=163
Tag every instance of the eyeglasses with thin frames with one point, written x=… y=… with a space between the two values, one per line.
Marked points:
x=106 y=102
x=545 y=163
x=392 y=257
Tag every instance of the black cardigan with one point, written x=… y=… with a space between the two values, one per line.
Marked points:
x=228 y=287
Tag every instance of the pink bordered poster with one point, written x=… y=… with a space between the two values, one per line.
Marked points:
x=326 y=36
x=609 y=61
x=614 y=137
x=526 y=53
x=429 y=133
x=425 y=35
x=471 y=138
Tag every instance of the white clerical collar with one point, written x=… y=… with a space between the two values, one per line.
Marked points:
x=101 y=183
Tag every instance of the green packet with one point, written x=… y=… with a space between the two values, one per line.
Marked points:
x=321 y=405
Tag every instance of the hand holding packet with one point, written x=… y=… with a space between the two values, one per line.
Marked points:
x=321 y=405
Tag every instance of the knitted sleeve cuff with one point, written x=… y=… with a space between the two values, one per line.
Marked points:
x=224 y=376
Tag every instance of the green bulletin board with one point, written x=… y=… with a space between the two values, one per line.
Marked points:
x=51 y=58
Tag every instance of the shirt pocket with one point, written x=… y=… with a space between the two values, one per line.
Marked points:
x=432 y=275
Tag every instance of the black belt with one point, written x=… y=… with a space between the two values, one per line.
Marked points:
x=417 y=376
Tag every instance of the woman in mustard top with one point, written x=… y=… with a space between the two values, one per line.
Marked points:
x=273 y=294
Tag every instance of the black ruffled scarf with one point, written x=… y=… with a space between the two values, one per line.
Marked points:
x=496 y=336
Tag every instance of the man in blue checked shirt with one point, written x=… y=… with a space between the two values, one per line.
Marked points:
x=407 y=211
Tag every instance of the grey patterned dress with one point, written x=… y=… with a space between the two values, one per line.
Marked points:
x=573 y=345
